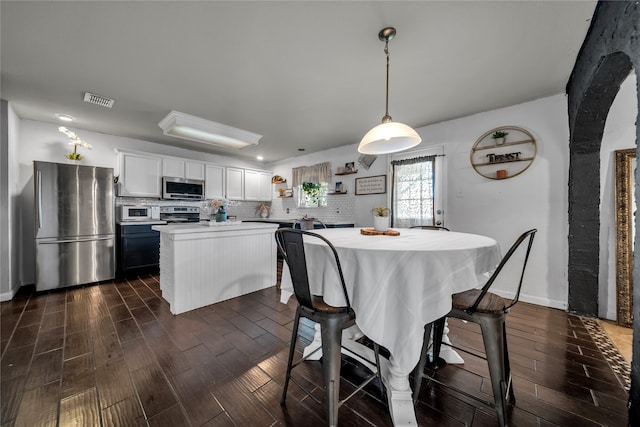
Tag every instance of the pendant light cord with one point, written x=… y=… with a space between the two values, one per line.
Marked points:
x=387 y=117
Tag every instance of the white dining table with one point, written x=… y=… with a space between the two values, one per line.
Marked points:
x=396 y=285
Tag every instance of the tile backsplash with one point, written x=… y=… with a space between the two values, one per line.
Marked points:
x=340 y=208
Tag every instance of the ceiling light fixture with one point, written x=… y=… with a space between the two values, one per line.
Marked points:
x=64 y=117
x=193 y=128
x=388 y=137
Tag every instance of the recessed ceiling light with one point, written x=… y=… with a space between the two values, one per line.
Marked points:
x=259 y=157
x=65 y=117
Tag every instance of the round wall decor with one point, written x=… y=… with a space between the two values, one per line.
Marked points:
x=503 y=152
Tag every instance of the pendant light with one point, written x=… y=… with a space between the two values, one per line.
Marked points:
x=388 y=137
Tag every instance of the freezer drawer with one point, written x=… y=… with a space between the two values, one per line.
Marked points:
x=69 y=262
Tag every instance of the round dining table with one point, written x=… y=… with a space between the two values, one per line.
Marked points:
x=396 y=285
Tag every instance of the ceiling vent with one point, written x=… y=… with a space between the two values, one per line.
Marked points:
x=103 y=101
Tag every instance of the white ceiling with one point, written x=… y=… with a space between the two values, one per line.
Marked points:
x=302 y=74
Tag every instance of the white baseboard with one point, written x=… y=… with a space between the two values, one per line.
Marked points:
x=7 y=296
x=545 y=302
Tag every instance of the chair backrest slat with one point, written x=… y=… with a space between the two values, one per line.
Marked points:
x=291 y=245
x=430 y=227
x=527 y=234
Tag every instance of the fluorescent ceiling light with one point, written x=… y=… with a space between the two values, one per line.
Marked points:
x=193 y=128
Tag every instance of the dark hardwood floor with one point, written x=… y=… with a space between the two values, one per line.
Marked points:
x=112 y=354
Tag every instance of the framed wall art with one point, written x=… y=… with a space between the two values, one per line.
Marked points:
x=371 y=185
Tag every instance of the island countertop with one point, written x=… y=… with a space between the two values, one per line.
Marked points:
x=212 y=227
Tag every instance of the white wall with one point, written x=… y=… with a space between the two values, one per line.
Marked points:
x=9 y=232
x=503 y=209
x=619 y=134
x=352 y=208
x=42 y=141
x=500 y=209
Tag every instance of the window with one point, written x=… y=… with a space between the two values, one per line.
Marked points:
x=312 y=183
x=414 y=192
x=313 y=195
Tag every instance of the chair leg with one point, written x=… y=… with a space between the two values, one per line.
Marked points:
x=507 y=366
x=292 y=349
x=418 y=373
x=438 y=331
x=331 y=331
x=493 y=337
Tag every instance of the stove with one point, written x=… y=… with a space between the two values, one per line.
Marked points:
x=180 y=214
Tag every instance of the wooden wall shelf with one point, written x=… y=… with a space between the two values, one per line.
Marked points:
x=346 y=173
x=507 y=159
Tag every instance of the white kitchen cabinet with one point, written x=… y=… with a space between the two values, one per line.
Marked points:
x=181 y=168
x=235 y=183
x=194 y=170
x=214 y=182
x=140 y=175
x=257 y=185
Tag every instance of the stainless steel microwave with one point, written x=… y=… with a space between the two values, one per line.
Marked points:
x=182 y=188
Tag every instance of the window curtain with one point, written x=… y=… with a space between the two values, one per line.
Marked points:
x=315 y=174
x=413 y=191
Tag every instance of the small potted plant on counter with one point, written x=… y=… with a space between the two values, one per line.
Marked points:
x=499 y=136
x=219 y=209
x=264 y=210
x=381 y=218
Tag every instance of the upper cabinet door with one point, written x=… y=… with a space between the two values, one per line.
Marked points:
x=251 y=185
x=257 y=185
x=214 y=183
x=173 y=167
x=181 y=168
x=235 y=184
x=265 y=186
x=140 y=175
x=194 y=170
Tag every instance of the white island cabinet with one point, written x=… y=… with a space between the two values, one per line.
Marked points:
x=203 y=264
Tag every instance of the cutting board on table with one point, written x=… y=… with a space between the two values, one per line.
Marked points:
x=374 y=232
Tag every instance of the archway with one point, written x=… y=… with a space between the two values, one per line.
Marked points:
x=609 y=52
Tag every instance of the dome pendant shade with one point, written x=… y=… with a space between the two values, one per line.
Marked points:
x=389 y=137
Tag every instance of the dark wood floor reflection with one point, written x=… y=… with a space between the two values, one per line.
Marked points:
x=112 y=354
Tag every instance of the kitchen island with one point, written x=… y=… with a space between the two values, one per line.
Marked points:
x=205 y=263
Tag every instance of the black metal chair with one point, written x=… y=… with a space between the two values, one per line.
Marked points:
x=431 y=227
x=332 y=320
x=308 y=224
x=487 y=310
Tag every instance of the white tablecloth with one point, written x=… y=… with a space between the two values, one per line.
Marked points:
x=398 y=284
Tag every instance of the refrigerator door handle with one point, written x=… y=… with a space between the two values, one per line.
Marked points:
x=39 y=178
x=88 y=239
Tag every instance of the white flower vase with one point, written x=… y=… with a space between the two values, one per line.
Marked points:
x=380 y=223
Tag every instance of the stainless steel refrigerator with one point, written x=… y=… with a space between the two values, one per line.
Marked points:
x=74 y=224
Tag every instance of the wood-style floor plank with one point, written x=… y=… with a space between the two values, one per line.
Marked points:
x=113 y=354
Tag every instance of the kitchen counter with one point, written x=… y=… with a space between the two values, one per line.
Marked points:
x=207 y=227
x=146 y=222
x=288 y=222
x=205 y=263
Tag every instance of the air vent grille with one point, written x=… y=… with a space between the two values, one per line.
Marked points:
x=103 y=101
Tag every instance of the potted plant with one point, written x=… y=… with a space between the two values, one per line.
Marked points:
x=219 y=209
x=381 y=218
x=264 y=210
x=75 y=141
x=499 y=137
